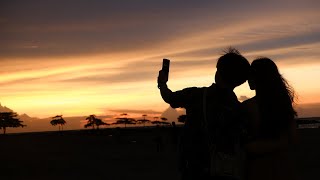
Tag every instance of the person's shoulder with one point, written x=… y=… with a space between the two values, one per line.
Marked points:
x=212 y=88
x=186 y=93
x=194 y=89
x=191 y=88
x=193 y=92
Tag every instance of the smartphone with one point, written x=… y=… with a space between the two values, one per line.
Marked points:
x=165 y=69
x=166 y=65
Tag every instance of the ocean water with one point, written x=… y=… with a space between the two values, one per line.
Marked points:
x=309 y=126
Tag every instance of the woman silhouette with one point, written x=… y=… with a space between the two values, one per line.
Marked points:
x=271 y=122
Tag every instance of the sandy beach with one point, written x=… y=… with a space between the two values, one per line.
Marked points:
x=117 y=154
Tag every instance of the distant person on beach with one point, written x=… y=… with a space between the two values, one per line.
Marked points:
x=212 y=117
x=271 y=123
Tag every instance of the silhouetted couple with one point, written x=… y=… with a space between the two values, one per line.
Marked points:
x=224 y=139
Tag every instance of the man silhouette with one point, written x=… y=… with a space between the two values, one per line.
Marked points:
x=204 y=119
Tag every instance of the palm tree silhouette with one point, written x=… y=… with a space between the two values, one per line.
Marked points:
x=99 y=122
x=144 y=120
x=124 y=120
x=90 y=121
x=9 y=119
x=155 y=120
x=160 y=122
x=58 y=120
x=93 y=121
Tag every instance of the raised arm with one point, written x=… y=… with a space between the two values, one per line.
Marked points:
x=162 y=85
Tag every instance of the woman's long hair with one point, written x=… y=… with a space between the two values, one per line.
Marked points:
x=275 y=98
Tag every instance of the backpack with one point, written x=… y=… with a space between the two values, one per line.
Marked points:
x=224 y=142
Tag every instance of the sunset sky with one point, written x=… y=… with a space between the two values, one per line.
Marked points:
x=78 y=57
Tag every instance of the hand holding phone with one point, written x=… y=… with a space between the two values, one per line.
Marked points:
x=164 y=72
x=166 y=66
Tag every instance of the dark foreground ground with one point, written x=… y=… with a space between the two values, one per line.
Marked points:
x=116 y=154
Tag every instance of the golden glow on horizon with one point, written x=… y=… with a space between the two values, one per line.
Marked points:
x=304 y=80
x=50 y=94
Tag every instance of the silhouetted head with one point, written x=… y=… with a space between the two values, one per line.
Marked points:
x=274 y=95
x=263 y=73
x=232 y=69
x=265 y=77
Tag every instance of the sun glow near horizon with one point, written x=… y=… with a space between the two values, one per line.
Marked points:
x=41 y=98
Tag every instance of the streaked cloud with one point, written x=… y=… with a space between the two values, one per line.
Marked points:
x=135 y=111
x=83 y=56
